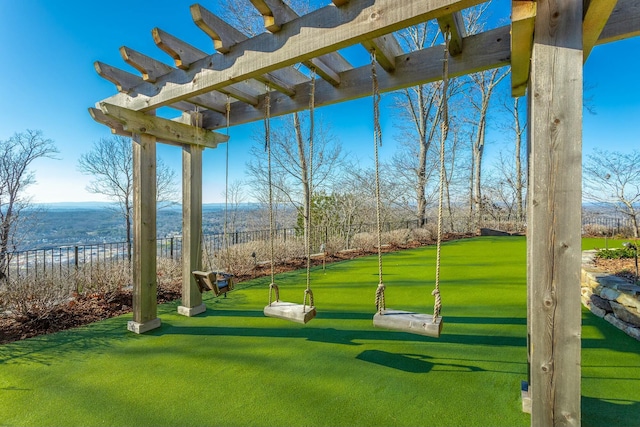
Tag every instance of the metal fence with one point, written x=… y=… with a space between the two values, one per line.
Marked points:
x=66 y=258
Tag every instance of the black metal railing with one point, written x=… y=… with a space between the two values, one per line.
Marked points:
x=66 y=258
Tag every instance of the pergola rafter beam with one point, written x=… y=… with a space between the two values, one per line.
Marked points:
x=182 y=52
x=455 y=24
x=225 y=36
x=485 y=51
x=623 y=23
x=150 y=68
x=123 y=80
x=596 y=14
x=165 y=130
x=276 y=13
x=386 y=49
x=523 y=18
x=322 y=31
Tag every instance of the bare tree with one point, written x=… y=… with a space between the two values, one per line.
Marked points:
x=110 y=163
x=517 y=180
x=483 y=86
x=613 y=178
x=16 y=156
x=419 y=109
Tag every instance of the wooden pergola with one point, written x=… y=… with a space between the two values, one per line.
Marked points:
x=546 y=45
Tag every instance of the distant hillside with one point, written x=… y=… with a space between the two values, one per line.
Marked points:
x=61 y=224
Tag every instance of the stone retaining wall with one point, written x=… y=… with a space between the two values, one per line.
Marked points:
x=610 y=297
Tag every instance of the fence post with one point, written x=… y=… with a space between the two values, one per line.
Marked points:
x=171 y=249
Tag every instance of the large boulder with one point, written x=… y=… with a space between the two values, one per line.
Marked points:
x=625 y=314
x=601 y=303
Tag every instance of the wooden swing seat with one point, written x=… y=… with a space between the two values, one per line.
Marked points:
x=408 y=321
x=290 y=311
x=217 y=282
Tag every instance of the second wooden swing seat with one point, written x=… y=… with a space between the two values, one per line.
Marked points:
x=217 y=282
x=408 y=321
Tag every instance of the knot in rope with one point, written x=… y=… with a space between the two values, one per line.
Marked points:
x=380 y=304
x=274 y=288
x=307 y=293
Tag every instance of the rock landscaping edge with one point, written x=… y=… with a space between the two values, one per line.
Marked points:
x=614 y=299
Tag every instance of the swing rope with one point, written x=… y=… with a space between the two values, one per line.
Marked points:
x=377 y=140
x=308 y=292
x=273 y=288
x=444 y=131
x=225 y=235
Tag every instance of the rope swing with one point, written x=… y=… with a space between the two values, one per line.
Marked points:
x=299 y=313
x=405 y=321
x=218 y=282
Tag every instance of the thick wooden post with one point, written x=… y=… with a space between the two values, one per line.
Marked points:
x=191 y=229
x=145 y=310
x=554 y=212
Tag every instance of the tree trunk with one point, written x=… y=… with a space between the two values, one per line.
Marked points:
x=518 y=149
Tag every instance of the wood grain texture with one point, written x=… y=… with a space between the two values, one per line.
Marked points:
x=182 y=52
x=167 y=130
x=123 y=80
x=523 y=17
x=150 y=68
x=144 y=229
x=191 y=222
x=623 y=23
x=554 y=213
x=290 y=311
x=455 y=24
x=483 y=51
x=408 y=321
x=318 y=33
x=596 y=15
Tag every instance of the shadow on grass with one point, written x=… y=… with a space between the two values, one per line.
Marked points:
x=96 y=338
x=334 y=336
x=412 y=363
x=610 y=412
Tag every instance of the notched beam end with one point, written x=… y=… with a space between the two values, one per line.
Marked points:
x=182 y=52
x=275 y=13
x=223 y=35
x=123 y=80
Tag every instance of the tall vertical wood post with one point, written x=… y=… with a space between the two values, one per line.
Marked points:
x=554 y=212
x=191 y=229
x=145 y=287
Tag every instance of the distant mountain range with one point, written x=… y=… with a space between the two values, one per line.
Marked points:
x=109 y=205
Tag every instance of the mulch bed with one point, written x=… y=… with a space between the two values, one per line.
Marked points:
x=623 y=267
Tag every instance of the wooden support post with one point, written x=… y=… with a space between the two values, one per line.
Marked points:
x=145 y=287
x=554 y=212
x=191 y=230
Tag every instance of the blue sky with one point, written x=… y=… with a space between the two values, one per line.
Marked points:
x=48 y=81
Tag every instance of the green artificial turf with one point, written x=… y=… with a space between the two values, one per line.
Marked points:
x=231 y=366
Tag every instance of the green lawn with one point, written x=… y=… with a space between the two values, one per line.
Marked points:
x=231 y=366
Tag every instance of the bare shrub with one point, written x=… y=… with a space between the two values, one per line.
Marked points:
x=365 y=241
x=426 y=235
x=169 y=273
x=30 y=296
x=102 y=278
x=334 y=244
x=397 y=237
x=239 y=259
